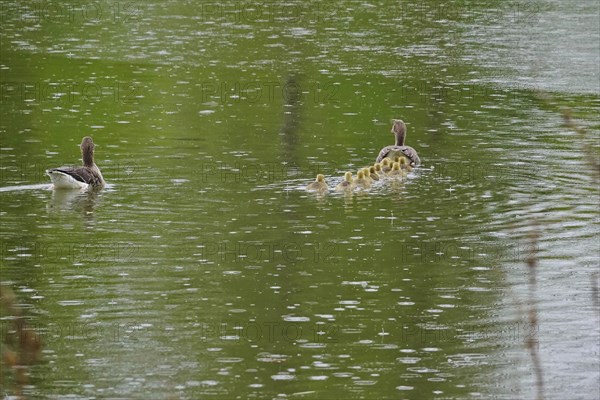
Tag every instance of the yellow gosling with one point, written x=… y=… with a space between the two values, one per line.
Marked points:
x=361 y=182
x=404 y=165
x=373 y=174
x=385 y=166
x=396 y=172
x=318 y=185
x=346 y=184
x=368 y=174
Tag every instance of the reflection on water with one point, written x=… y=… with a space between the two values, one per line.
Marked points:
x=206 y=270
x=81 y=201
x=292 y=118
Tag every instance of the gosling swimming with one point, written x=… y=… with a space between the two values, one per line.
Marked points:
x=368 y=176
x=396 y=172
x=373 y=174
x=404 y=165
x=346 y=184
x=318 y=185
x=361 y=182
x=385 y=166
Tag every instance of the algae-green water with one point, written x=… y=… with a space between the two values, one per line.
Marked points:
x=205 y=270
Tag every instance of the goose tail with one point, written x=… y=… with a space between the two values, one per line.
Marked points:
x=62 y=180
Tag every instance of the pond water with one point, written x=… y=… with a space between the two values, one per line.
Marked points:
x=205 y=270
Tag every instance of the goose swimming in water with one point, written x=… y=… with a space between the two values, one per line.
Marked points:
x=318 y=185
x=396 y=171
x=385 y=166
x=404 y=165
x=367 y=173
x=373 y=173
x=399 y=149
x=87 y=176
x=346 y=184
x=361 y=182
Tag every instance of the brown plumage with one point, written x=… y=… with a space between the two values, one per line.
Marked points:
x=88 y=175
x=399 y=149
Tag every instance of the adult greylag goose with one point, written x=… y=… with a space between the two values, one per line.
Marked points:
x=399 y=149
x=84 y=177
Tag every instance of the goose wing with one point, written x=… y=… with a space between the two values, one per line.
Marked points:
x=80 y=174
x=383 y=153
x=411 y=154
x=393 y=151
